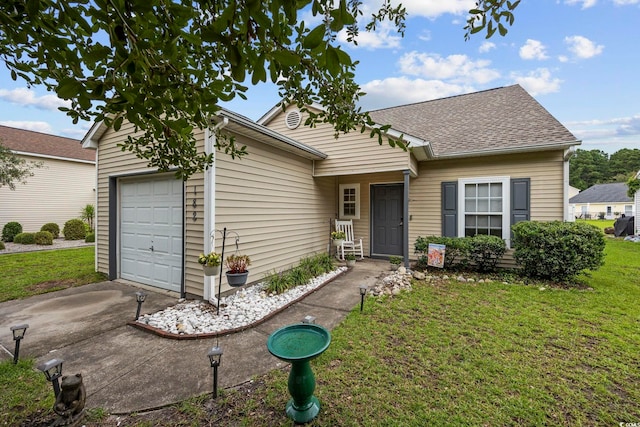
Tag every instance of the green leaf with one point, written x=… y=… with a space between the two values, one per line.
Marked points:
x=314 y=38
x=286 y=58
x=69 y=88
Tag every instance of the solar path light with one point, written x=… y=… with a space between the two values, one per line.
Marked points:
x=215 y=355
x=140 y=297
x=52 y=370
x=18 y=332
x=363 y=292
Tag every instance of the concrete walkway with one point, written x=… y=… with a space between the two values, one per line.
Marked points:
x=127 y=370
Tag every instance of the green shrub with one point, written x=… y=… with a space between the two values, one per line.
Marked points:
x=43 y=238
x=10 y=230
x=485 y=252
x=557 y=250
x=91 y=238
x=74 y=230
x=277 y=283
x=52 y=228
x=2 y=247
x=24 y=238
x=456 y=254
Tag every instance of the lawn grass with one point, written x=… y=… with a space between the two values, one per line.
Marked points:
x=600 y=223
x=32 y=273
x=30 y=396
x=482 y=354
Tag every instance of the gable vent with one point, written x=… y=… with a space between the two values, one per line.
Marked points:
x=293 y=119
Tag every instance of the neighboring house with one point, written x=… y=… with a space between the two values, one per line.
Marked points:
x=571 y=216
x=58 y=190
x=603 y=200
x=636 y=200
x=478 y=163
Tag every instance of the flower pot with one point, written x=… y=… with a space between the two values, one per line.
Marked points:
x=338 y=242
x=211 y=271
x=237 y=279
x=394 y=267
x=351 y=262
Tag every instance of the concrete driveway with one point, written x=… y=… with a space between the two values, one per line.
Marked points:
x=126 y=369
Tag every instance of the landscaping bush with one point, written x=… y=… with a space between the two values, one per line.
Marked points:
x=43 y=238
x=52 y=228
x=557 y=250
x=456 y=255
x=10 y=230
x=74 y=230
x=24 y=238
x=2 y=247
x=485 y=252
x=91 y=238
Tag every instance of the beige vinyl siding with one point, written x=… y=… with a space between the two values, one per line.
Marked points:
x=56 y=192
x=544 y=169
x=361 y=226
x=350 y=154
x=272 y=201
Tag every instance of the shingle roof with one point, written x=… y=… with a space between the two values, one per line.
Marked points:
x=603 y=193
x=27 y=141
x=502 y=118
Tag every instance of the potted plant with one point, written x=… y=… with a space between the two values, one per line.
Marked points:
x=395 y=261
x=338 y=237
x=210 y=263
x=237 y=269
x=350 y=259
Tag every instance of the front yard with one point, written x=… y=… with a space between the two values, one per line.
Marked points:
x=453 y=353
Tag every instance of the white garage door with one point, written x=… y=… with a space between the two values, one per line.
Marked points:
x=151 y=231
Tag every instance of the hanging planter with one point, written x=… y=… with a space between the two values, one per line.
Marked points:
x=237 y=279
x=338 y=237
x=237 y=272
x=210 y=263
x=211 y=271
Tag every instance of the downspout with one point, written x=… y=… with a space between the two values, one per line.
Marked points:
x=405 y=219
x=210 y=203
x=565 y=183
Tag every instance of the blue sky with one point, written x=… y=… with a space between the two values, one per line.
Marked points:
x=578 y=58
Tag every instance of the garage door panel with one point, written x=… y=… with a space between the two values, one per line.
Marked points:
x=151 y=216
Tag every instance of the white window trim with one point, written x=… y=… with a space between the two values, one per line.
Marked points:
x=343 y=187
x=506 y=202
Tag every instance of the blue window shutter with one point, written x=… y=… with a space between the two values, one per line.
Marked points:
x=520 y=200
x=450 y=209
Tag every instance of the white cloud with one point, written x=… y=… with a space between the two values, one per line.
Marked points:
x=434 y=8
x=585 y=3
x=486 y=47
x=625 y=2
x=403 y=90
x=26 y=97
x=537 y=82
x=533 y=49
x=619 y=126
x=385 y=36
x=458 y=68
x=43 y=127
x=582 y=47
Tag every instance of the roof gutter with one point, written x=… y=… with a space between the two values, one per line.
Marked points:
x=512 y=150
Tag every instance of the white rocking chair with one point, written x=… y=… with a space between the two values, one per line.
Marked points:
x=349 y=245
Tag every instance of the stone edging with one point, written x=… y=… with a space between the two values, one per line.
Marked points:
x=170 y=335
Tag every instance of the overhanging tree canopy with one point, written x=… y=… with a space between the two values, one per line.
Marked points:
x=165 y=65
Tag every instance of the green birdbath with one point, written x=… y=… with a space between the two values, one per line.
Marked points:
x=298 y=344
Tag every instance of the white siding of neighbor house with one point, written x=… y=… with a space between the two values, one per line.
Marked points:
x=595 y=209
x=637 y=207
x=545 y=170
x=57 y=192
x=351 y=154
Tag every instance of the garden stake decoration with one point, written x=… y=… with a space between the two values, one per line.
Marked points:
x=18 y=332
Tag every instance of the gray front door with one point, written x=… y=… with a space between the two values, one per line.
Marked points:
x=387 y=221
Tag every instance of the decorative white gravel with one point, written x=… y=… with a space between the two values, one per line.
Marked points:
x=240 y=309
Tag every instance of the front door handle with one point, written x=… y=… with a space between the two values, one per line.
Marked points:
x=151 y=248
